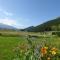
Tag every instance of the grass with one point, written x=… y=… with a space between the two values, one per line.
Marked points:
x=8 y=44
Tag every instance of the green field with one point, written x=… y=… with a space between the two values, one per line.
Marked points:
x=8 y=44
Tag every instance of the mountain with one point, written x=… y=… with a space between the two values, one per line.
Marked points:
x=31 y=28
x=51 y=25
x=4 y=26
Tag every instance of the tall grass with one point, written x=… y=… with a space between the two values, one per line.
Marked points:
x=31 y=51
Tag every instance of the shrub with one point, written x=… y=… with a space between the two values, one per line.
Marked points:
x=53 y=33
x=58 y=34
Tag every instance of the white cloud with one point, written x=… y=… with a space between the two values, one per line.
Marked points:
x=7 y=21
x=11 y=22
x=6 y=12
x=19 y=23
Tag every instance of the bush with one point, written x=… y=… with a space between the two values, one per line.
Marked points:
x=58 y=34
x=0 y=34
x=53 y=33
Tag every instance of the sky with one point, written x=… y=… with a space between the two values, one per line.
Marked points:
x=25 y=13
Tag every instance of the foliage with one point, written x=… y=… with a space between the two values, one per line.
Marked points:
x=58 y=34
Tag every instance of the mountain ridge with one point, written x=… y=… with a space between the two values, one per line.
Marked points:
x=51 y=25
x=5 y=26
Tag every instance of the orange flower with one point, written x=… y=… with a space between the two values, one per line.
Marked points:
x=53 y=49
x=44 y=50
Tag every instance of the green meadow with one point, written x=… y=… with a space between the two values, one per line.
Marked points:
x=9 y=43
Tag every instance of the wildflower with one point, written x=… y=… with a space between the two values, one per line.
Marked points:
x=46 y=47
x=53 y=51
x=44 y=50
x=48 y=58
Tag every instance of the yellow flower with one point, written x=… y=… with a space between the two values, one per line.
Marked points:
x=53 y=52
x=46 y=47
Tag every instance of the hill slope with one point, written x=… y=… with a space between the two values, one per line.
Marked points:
x=52 y=25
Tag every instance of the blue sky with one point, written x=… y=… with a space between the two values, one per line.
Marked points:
x=24 y=13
